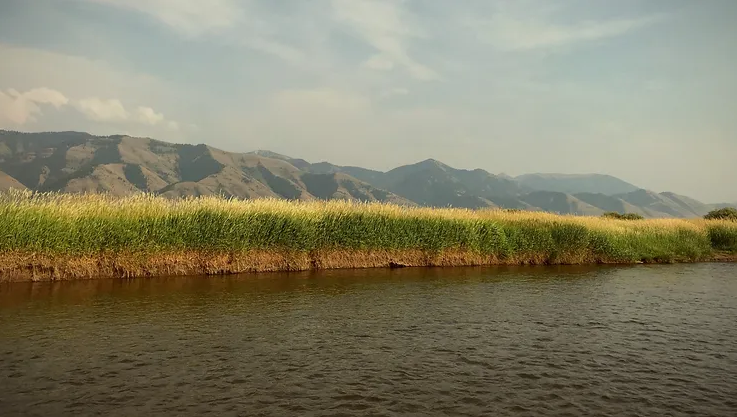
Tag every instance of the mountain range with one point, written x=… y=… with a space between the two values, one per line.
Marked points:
x=75 y=162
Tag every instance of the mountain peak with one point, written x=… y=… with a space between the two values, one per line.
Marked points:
x=426 y=164
x=431 y=162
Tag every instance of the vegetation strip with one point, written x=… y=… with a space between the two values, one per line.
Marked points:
x=65 y=236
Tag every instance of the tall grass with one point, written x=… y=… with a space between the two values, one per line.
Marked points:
x=89 y=225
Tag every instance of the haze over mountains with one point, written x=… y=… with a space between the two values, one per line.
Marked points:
x=79 y=162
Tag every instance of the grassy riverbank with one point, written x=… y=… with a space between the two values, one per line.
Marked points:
x=56 y=236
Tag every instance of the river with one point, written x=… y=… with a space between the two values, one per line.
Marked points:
x=538 y=341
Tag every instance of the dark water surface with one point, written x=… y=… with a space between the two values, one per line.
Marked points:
x=593 y=341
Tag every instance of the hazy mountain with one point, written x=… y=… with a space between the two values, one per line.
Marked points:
x=576 y=183
x=722 y=205
x=609 y=203
x=79 y=162
x=562 y=203
x=433 y=183
x=375 y=178
x=665 y=204
x=688 y=204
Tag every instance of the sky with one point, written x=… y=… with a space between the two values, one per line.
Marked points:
x=645 y=90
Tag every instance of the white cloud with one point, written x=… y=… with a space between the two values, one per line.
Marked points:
x=147 y=115
x=113 y=111
x=93 y=90
x=507 y=29
x=101 y=110
x=533 y=101
x=27 y=68
x=20 y=108
x=44 y=95
x=383 y=25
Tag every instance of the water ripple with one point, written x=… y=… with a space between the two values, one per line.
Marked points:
x=488 y=341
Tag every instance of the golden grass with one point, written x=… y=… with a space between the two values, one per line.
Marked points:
x=65 y=236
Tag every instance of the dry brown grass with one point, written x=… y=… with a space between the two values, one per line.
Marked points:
x=22 y=266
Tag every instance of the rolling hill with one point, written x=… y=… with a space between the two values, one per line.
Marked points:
x=77 y=162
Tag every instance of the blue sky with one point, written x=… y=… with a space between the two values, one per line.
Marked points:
x=644 y=90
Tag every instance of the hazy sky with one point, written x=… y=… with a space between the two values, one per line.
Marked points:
x=645 y=90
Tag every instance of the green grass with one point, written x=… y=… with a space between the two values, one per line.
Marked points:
x=726 y=213
x=87 y=225
x=620 y=216
x=723 y=236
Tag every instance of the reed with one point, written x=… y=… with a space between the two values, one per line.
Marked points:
x=140 y=235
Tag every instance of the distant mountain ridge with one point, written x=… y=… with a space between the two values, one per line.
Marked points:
x=79 y=162
x=577 y=183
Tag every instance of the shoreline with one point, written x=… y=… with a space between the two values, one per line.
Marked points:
x=26 y=267
x=724 y=257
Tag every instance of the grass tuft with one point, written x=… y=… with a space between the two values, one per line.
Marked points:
x=103 y=227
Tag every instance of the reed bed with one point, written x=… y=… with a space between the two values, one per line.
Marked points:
x=59 y=236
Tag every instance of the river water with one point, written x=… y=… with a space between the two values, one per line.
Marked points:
x=538 y=341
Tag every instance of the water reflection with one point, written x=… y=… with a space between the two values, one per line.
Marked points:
x=15 y=294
